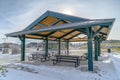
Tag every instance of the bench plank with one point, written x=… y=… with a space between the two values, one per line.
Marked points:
x=66 y=58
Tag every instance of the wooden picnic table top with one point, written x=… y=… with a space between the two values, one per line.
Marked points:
x=38 y=54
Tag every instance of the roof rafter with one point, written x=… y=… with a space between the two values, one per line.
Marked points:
x=102 y=33
x=97 y=31
x=50 y=33
x=36 y=21
x=53 y=37
x=37 y=35
x=42 y=25
x=56 y=22
x=74 y=36
x=101 y=38
x=82 y=30
x=67 y=34
x=53 y=25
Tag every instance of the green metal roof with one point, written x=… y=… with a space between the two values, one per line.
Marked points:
x=59 y=23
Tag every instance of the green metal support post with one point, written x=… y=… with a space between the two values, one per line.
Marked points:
x=90 y=58
x=99 y=48
x=96 y=48
x=46 y=47
x=22 y=38
x=67 y=45
x=59 y=47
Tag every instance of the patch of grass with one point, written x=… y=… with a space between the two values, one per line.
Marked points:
x=3 y=70
x=117 y=49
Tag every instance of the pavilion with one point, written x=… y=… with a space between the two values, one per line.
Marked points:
x=53 y=26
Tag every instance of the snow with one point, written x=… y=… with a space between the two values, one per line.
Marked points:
x=8 y=58
x=107 y=68
x=116 y=61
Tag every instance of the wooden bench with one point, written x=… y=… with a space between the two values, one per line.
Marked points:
x=66 y=58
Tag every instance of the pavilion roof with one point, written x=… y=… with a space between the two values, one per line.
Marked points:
x=65 y=27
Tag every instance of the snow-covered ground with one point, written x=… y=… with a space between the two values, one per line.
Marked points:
x=107 y=68
x=116 y=61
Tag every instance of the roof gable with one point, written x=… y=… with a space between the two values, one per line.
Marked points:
x=56 y=15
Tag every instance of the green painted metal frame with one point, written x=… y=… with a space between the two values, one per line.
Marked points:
x=46 y=26
x=97 y=31
x=96 y=48
x=38 y=35
x=35 y=38
x=36 y=21
x=74 y=26
x=22 y=38
x=42 y=25
x=66 y=17
x=53 y=25
x=59 y=47
x=46 y=47
x=50 y=33
x=90 y=47
x=110 y=27
x=56 y=22
x=102 y=33
x=53 y=31
x=67 y=34
x=74 y=36
x=99 y=47
x=82 y=31
x=67 y=45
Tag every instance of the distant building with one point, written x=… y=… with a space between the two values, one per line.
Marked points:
x=9 y=48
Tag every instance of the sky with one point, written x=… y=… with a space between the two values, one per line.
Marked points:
x=15 y=15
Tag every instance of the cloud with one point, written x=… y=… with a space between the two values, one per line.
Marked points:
x=14 y=7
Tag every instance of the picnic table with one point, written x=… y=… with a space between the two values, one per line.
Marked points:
x=39 y=56
x=66 y=58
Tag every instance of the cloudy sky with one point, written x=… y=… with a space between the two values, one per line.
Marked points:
x=15 y=15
